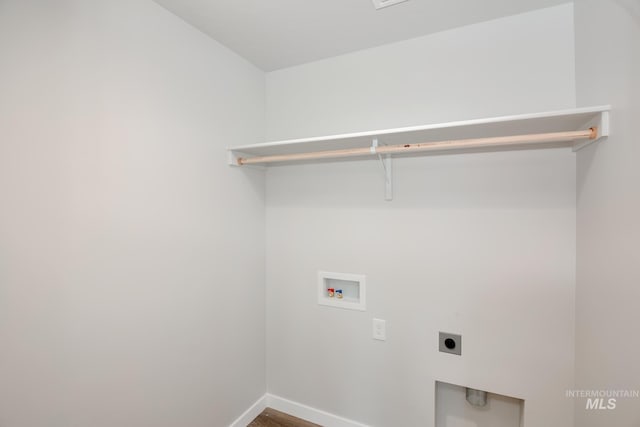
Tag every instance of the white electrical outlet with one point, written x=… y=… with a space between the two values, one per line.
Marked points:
x=379 y=329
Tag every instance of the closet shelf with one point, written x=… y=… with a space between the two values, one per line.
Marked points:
x=574 y=128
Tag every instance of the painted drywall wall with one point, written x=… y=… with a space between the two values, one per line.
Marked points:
x=131 y=256
x=446 y=76
x=608 y=208
x=482 y=245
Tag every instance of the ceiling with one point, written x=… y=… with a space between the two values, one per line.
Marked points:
x=275 y=34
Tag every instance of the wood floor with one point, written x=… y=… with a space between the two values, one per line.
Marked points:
x=272 y=418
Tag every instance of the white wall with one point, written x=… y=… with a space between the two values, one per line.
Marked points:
x=462 y=73
x=131 y=256
x=608 y=208
x=481 y=244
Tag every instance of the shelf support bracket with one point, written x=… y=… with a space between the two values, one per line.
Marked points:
x=387 y=167
x=388 y=183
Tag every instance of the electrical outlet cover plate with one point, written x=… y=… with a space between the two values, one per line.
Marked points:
x=379 y=329
x=450 y=343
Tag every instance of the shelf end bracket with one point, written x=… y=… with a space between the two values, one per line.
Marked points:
x=601 y=124
x=232 y=158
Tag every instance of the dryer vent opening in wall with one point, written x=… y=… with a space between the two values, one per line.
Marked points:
x=381 y=4
x=342 y=290
x=453 y=409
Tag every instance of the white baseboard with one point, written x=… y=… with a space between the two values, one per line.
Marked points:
x=296 y=409
x=251 y=413
x=308 y=413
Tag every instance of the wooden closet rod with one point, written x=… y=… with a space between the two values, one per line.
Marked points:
x=498 y=141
